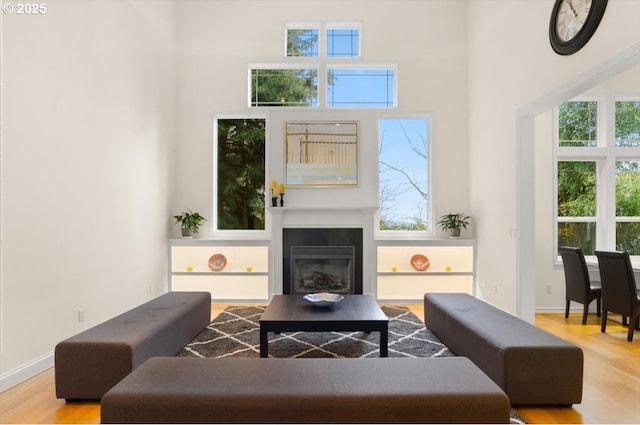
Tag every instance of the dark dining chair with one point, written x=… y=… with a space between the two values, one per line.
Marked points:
x=619 y=290
x=579 y=288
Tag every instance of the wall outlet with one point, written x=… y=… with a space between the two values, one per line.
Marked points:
x=494 y=288
x=81 y=315
x=150 y=289
x=547 y=288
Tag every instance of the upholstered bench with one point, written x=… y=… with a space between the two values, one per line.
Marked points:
x=310 y=390
x=90 y=363
x=532 y=366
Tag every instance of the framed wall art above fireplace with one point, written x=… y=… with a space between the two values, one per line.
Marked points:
x=321 y=154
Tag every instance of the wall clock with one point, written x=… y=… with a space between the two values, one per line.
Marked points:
x=573 y=22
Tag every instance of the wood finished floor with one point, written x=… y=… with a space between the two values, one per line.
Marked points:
x=611 y=381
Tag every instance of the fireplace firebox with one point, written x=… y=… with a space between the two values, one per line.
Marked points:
x=322 y=269
x=322 y=260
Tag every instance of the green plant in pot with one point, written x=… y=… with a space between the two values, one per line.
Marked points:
x=189 y=222
x=453 y=223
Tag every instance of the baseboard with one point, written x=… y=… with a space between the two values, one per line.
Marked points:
x=22 y=373
x=561 y=310
x=550 y=310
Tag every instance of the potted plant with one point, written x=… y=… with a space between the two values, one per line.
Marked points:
x=453 y=223
x=189 y=222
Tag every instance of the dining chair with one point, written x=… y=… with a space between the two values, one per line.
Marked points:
x=619 y=290
x=579 y=287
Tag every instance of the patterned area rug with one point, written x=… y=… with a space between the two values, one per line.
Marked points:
x=236 y=333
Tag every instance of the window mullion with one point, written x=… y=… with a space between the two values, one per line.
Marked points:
x=606 y=191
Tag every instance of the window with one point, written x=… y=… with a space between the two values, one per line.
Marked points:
x=628 y=124
x=404 y=190
x=315 y=62
x=284 y=87
x=343 y=42
x=628 y=206
x=577 y=204
x=239 y=182
x=363 y=88
x=598 y=175
x=302 y=42
x=580 y=124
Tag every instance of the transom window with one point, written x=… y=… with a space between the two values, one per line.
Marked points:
x=302 y=42
x=360 y=88
x=315 y=74
x=284 y=86
x=343 y=42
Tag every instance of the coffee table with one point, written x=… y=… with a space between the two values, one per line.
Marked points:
x=292 y=313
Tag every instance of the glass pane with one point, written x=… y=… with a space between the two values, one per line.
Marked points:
x=362 y=88
x=628 y=237
x=241 y=174
x=302 y=42
x=577 y=124
x=576 y=189
x=628 y=188
x=343 y=42
x=284 y=87
x=582 y=235
x=403 y=184
x=628 y=124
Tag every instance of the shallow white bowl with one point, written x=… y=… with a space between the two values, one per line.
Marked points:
x=324 y=299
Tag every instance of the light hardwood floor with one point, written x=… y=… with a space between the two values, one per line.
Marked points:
x=611 y=381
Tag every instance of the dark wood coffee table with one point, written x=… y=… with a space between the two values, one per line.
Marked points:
x=292 y=313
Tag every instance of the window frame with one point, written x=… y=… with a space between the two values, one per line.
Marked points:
x=605 y=154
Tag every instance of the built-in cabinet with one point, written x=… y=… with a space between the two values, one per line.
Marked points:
x=239 y=270
x=441 y=265
x=231 y=270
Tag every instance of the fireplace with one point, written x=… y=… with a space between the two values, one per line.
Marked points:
x=322 y=260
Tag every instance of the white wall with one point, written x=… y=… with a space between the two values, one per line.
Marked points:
x=88 y=120
x=512 y=65
x=219 y=39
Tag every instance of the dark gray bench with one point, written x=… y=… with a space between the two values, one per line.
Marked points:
x=89 y=364
x=271 y=390
x=532 y=366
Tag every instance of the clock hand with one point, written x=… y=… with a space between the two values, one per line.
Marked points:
x=572 y=8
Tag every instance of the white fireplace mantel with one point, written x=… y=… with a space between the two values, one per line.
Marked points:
x=322 y=210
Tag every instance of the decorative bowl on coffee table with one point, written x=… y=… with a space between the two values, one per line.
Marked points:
x=324 y=299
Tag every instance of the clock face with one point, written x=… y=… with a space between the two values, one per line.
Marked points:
x=573 y=22
x=572 y=15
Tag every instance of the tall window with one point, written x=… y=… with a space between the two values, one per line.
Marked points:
x=404 y=194
x=598 y=175
x=240 y=174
